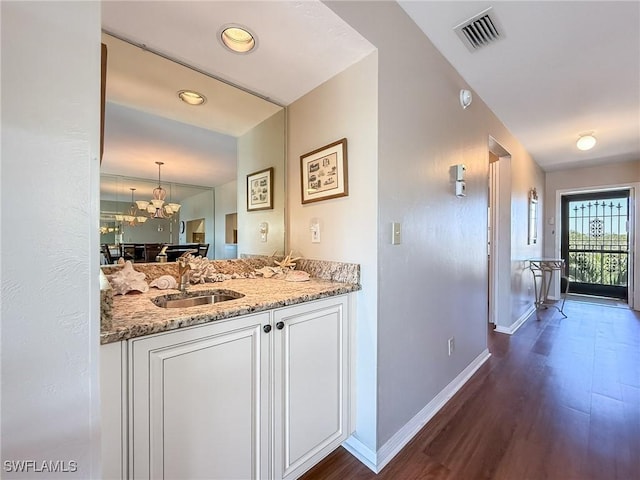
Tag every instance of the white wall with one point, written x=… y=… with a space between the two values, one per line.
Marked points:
x=226 y=202
x=434 y=285
x=525 y=175
x=49 y=245
x=344 y=106
x=623 y=174
x=260 y=148
x=196 y=207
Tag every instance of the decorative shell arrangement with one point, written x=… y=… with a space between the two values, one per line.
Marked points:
x=164 y=282
x=204 y=271
x=288 y=262
x=271 y=272
x=127 y=280
x=284 y=270
x=297 y=276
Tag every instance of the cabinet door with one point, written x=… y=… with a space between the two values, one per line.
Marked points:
x=200 y=402
x=311 y=384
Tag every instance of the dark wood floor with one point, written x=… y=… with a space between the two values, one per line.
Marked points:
x=559 y=399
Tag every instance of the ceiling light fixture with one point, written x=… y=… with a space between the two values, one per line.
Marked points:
x=586 y=142
x=157 y=208
x=191 y=97
x=131 y=217
x=238 y=39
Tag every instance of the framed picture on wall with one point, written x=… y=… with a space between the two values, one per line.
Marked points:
x=323 y=173
x=260 y=190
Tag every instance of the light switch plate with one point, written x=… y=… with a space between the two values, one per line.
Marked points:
x=395 y=233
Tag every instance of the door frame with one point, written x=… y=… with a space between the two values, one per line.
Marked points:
x=499 y=268
x=633 y=294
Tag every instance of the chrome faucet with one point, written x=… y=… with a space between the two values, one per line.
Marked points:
x=183 y=270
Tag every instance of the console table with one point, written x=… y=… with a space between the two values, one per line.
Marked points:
x=543 y=269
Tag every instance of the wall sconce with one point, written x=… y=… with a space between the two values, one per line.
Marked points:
x=465 y=98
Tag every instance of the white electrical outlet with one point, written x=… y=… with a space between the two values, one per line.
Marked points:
x=451 y=345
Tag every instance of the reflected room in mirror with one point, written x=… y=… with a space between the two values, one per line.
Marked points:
x=195 y=152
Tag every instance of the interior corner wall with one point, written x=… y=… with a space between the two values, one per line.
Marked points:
x=525 y=175
x=345 y=106
x=195 y=207
x=613 y=175
x=226 y=202
x=50 y=310
x=260 y=148
x=435 y=282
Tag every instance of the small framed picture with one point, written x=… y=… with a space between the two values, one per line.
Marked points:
x=260 y=190
x=323 y=173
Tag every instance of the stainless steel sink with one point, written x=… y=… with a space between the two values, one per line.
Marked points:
x=192 y=299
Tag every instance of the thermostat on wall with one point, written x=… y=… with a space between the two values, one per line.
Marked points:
x=461 y=189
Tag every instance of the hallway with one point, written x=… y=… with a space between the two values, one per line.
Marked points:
x=559 y=399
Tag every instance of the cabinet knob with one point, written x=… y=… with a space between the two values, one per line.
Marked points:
x=266 y=328
x=280 y=325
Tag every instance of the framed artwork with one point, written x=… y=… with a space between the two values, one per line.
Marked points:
x=323 y=173
x=260 y=190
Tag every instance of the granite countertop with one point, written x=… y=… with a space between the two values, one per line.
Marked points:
x=134 y=314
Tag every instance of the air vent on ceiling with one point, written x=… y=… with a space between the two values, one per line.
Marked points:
x=480 y=30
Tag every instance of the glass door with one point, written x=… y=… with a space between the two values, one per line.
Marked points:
x=595 y=243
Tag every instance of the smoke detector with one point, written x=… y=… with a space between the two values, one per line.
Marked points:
x=480 y=30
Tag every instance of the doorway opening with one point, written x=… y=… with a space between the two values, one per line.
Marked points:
x=195 y=231
x=595 y=243
x=499 y=235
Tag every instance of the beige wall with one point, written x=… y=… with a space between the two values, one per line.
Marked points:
x=434 y=285
x=623 y=174
x=260 y=148
x=345 y=106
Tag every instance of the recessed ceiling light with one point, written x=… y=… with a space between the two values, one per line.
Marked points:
x=237 y=39
x=586 y=142
x=191 y=97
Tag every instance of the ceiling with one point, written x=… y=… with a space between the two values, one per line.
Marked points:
x=145 y=121
x=561 y=68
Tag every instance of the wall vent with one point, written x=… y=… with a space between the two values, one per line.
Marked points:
x=480 y=30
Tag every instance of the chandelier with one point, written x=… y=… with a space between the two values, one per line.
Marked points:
x=131 y=217
x=157 y=208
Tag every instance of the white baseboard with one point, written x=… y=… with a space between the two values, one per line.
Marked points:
x=377 y=461
x=363 y=453
x=510 y=330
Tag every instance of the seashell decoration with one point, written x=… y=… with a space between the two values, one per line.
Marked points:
x=288 y=262
x=164 y=282
x=284 y=270
x=271 y=272
x=297 y=276
x=127 y=280
x=203 y=271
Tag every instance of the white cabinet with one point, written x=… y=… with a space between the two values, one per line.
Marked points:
x=262 y=396
x=311 y=384
x=199 y=402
